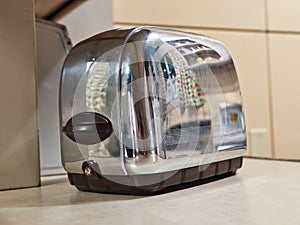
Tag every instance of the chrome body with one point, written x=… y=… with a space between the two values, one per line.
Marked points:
x=173 y=99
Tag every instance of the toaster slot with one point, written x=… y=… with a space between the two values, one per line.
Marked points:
x=194 y=52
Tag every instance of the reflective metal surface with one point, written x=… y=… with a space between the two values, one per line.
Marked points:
x=173 y=100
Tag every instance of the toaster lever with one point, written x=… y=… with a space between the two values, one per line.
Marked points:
x=88 y=128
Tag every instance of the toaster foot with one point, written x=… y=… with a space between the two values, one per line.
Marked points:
x=183 y=178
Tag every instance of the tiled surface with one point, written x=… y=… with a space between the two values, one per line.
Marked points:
x=283 y=15
x=284 y=60
x=237 y=14
x=263 y=192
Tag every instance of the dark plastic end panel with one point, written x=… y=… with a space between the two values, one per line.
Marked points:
x=88 y=128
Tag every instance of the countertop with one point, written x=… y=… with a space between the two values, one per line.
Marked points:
x=262 y=192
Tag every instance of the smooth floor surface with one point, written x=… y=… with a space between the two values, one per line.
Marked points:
x=262 y=192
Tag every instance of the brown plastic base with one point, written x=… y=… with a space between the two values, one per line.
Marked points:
x=168 y=181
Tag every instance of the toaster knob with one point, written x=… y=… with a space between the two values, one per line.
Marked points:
x=90 y=167
x=88 y=128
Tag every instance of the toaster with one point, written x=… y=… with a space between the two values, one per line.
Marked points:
x=148 y=108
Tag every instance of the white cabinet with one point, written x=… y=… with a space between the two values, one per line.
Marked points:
x=52 y=45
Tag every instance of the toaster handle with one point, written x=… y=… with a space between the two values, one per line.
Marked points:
x=88 y=128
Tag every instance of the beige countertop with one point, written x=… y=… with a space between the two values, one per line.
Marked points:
x=262 y=192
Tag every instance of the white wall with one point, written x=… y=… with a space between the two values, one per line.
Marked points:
x=92 y=17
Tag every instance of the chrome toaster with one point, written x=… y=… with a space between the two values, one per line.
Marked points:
x=147 y=108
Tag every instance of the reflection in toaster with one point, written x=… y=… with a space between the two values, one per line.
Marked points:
x=172 y=98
